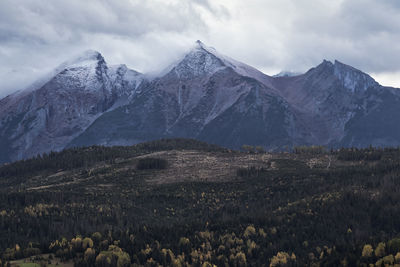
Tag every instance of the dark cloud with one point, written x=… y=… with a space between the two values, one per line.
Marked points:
x=68 y=21
x=37 y=35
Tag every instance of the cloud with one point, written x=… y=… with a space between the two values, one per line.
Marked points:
x=298 y=34
x=54 y=22
x=37 y=35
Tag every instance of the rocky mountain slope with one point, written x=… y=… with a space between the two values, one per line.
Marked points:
x=52 y=112
x=206 y=96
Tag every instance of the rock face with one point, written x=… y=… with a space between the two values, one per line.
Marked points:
x=206 y=96
x=47 y=117
x=342 y=106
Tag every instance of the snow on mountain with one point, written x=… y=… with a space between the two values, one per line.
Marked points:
x=124 y=83
x=187 y=100
x=52 y=111
x=204 y=95
x=202 y=59
x=205 y=73
x=88 y=60
x=353 y=79
x=237 y=66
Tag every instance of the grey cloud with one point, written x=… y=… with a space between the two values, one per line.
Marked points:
x=60 y=21
x=37 y=35
x=362 y=33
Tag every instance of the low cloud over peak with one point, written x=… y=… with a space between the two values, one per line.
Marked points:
x=37 y=35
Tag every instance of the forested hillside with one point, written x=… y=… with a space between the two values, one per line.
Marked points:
x=182 y=202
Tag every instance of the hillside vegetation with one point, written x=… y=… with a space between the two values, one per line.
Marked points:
x=182 y=202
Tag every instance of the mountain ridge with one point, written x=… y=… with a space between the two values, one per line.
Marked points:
x=45 y=118
x=205 y=95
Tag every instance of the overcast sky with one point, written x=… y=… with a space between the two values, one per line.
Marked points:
x=271 y=35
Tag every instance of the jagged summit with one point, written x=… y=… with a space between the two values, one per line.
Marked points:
x=199 y=43
x=205 y=95
x=87 y=61
x=88 y=58
x=351 y=78
x=203 y=59
x=198 y=61
x=200 y=47
x=89 y=55
x=324 y=64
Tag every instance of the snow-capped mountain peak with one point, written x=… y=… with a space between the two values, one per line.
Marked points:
x=203 y=59
x=199 y=44
x=200 y=60
x=87 y=71
x=86 y=59
x=61 y=105
x=225 y=60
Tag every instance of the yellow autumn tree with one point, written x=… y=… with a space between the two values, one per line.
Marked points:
x=249 y=231
x=380 y=250
x=367 y=251
x=388 y=260
x=281 y=259
x=89 y=255
x=397 y=257
x=87 y=243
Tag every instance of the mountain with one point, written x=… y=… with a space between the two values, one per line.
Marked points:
x=206 y=96
x=339 y=105
x=50 y=113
